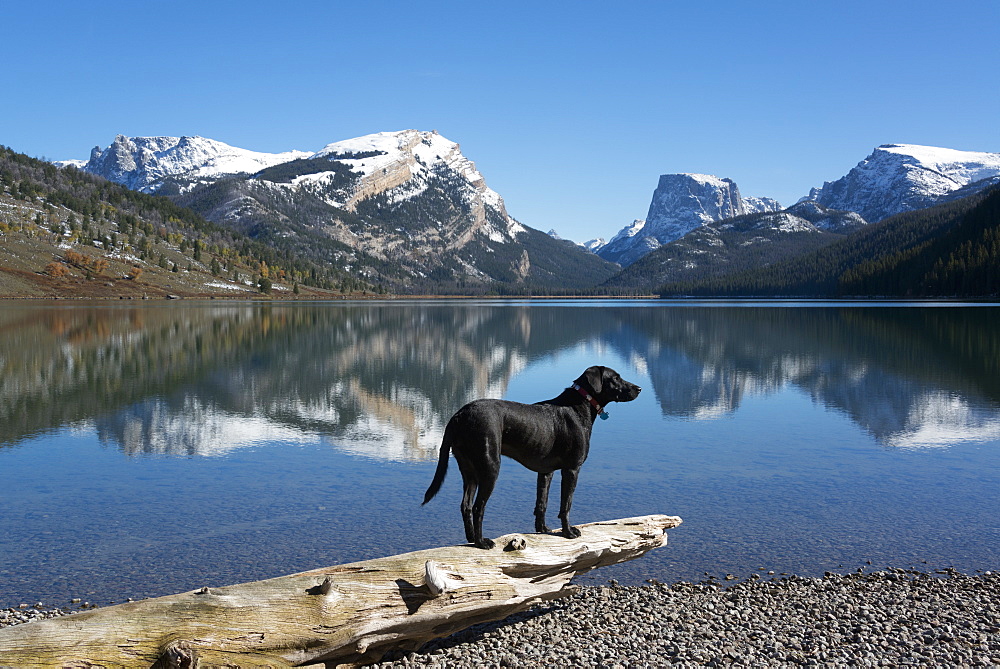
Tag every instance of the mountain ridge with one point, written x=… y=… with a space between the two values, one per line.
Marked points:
x=141 y=163
x=408 y=210
x=738 y=243
x=415 y=212
x=896 y=178
x=950 y=249
x=893 y=179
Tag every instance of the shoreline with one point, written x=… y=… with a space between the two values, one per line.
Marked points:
x=887 y=617
x=991 y=300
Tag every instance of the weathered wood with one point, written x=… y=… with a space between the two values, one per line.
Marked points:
x=344 y=614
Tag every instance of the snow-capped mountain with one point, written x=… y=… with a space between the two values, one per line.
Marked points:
x=758 y=205
x=825 y=218
x=629 y=244
x=405 y=162
x=738 y=243
x=591 y=245
x=142 y=163
x=404 y=208
x=893 y=179
x=681 y=203
x=903 y=177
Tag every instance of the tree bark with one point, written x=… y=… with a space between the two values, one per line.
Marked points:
x=347 y=614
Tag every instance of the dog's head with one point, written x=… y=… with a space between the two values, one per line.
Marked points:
x=606 y=385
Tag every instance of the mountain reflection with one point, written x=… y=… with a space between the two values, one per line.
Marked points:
x=910 y=376
x=381 y=379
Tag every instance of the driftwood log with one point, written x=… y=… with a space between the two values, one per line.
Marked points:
x=348 y=614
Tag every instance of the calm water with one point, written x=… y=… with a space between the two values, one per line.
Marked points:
x=146 y=450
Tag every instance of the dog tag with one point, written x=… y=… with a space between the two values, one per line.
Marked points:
x=604 y=415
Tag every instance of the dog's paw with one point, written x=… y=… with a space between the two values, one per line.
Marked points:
x=542 y=528
x=571 y=532
x=485 y=544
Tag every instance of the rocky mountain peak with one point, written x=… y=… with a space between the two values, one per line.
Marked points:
x=904 y=177
x=388 y=160
x=142 y=163
x=681 y=203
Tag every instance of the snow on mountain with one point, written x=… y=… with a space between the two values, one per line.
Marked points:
x=591 y=245
x=759 y=205
x=403 y=162
x=825 y=218
x=400 y=208
x=681 y=203
x=629 y=231
x=718 y=247
x=141 y=163
x=389 y=159
x=903 y=177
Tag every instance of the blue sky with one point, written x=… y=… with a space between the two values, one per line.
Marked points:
x=571 y=110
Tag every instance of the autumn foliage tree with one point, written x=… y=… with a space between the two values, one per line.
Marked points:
x=76 y=258
x=57 y=270
x=95 y=266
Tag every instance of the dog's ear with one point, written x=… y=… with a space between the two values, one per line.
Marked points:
x=592 y=378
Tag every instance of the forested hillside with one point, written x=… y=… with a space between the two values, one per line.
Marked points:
x=952 y=249
x=963 y=261
x=61 y=228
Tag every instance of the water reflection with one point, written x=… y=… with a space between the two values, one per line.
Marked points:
x=910 y=376
x=381 y=379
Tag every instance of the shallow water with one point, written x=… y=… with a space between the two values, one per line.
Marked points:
x=146 y=450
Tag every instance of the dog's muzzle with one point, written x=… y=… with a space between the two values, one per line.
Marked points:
x=630 y=393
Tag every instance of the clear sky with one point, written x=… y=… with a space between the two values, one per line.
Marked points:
x=571 y=110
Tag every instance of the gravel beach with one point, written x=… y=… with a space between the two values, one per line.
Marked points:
x=886 y=618
x=882 y=618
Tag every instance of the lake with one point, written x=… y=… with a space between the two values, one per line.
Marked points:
x=147 y=449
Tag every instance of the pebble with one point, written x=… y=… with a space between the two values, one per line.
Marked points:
x=891 y=617
x=26 y=614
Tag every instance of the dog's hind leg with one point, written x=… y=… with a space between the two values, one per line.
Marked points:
x=542 y=502
x=470 y=482
x=468 y=494
x=479 y=509
x=569 y=477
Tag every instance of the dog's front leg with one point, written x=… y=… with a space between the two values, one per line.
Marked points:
x=542 y=502
x=569 y=477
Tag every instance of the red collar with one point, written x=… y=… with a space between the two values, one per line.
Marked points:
x=590 y=399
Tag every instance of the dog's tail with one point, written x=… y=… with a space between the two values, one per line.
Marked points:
x=442 y=469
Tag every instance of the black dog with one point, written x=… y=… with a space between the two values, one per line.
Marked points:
x=543 y=437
